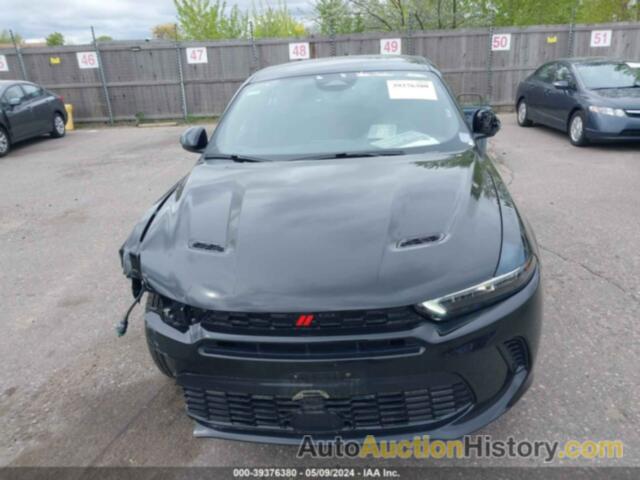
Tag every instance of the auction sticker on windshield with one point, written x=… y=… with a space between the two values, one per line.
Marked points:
x=411 y=90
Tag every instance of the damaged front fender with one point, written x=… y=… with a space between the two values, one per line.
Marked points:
x=130 y=250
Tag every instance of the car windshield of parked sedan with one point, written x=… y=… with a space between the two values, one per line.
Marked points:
x=342 y=114
x=609 y=75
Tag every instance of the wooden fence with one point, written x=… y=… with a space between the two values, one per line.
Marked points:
x=155 y=79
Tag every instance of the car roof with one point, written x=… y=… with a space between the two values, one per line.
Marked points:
x=352 y=63
x=590 y=60
x=6 y=83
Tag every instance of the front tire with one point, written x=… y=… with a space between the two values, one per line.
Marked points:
x=58 y=128
x=523 y=114
x=576 y=129
x=5 y=143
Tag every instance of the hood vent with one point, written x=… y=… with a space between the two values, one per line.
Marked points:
x=209 y=247
x=420 y=241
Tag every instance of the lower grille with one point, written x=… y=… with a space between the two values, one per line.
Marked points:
x=313 y=351
x=371 y=411
x=517 y=350
x=630 y=133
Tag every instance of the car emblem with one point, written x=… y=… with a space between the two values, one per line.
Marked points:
x=304 y=320
x=310 y=394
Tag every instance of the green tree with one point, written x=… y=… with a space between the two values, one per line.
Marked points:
x=165 y=31
x=55 y=39
x=203 y=20
x=5 y=37
x=544 y=12
x=104 y=38
x=529 y=12
x=269 y=22
x=398 y=15
x=596 y=11
x=336 y=16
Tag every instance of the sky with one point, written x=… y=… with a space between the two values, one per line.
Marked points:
x=120 y=19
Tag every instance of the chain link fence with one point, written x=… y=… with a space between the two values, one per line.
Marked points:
x=110 y=81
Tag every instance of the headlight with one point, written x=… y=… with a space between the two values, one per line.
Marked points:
x=480 y=295
x=612 y=112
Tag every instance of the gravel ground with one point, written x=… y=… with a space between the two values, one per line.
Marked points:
x=71 y=393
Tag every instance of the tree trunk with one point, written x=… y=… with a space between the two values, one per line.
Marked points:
x=455 y=13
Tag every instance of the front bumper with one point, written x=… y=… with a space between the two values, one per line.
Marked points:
x=456 y=382
x=606 y=128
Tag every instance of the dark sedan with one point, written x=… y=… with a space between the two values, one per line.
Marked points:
x=593 y=99
x=28 y=110
x=343 y=260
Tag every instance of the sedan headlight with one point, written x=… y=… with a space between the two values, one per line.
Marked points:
x=480 y=295
x=612 y=112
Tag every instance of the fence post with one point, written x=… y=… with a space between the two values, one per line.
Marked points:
x=19 y=54
x=332 y=35
x=254 y=50
x=183 y=93
x=410 y=47
x=490 y=64
x=572 y=32
x=102 y=77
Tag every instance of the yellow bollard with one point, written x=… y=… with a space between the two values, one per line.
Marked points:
x=69 y=108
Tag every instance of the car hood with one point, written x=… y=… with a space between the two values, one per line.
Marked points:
x=625 y=98
x=324 y=235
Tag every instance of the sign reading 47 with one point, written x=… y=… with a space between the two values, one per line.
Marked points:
x=197 y=55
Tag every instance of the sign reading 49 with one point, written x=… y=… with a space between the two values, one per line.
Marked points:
x=391 y=46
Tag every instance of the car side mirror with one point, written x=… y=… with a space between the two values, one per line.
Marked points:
x=14 y=102
x=562 y=85
x=194 y=139
x=485 y=123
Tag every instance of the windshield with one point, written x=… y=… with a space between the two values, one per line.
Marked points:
x=609 y=75
x=341 y=114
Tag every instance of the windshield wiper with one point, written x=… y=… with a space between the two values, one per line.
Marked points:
x=367 y=153
x=234 y=157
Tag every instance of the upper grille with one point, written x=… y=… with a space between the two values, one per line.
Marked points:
x=377 y=410
x=180 y=316
x=323 y=322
